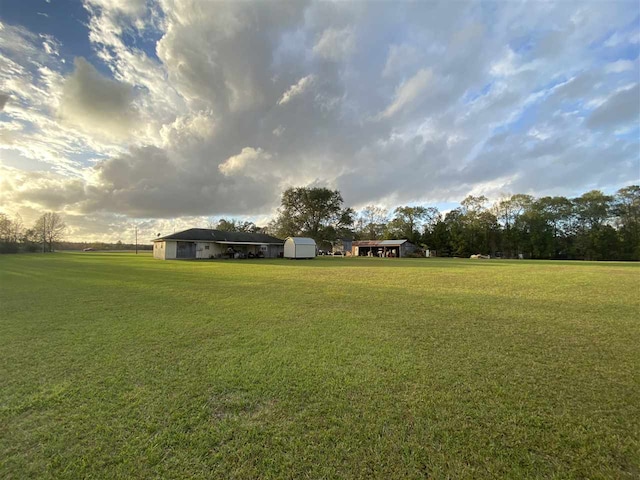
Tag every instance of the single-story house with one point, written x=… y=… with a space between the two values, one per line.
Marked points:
x=208 y=243
x=382 y=248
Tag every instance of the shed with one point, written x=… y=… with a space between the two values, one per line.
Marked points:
x=382 y=248
x=300 y=247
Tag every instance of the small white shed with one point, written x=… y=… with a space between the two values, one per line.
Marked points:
x=299 y=247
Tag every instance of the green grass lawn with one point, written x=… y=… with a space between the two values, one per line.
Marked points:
x=122 y=366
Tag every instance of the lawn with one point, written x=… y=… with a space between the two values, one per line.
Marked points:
x=122 y=366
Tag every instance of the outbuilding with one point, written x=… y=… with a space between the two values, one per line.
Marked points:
x=382 y=248
x=300 y=247
x=208 y=243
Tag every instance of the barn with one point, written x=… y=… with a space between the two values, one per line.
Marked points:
x=300 y=247
x=208 y=243
x=382 y=248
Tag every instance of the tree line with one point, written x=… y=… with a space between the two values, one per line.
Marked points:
x=593 y=226
x=45 y=233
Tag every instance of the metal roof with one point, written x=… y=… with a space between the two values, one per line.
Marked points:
x=209 y=235
x=302 y=240
x=392 y=242
x=246 y=243
x=379 y=243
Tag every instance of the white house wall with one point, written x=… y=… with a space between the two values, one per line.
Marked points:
x=305 y=251
x=164 y=250
x=158 y=250
x=289 y=249
x=170 y=250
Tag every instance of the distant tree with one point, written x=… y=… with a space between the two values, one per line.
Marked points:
x=457 y=234
x=474 y=205
x=438 y=239
x=626 y=208
x=50 y=229
x=593 y=210
x=510 y=214
x=371 y=222
x=31 y=240
x=479 y=225
x=558 y=213
x=433 y=229
x=5 y=227
x=313 y=211
x=10 y=230
x=408 y=222
x=593 y=226
x=234 y=225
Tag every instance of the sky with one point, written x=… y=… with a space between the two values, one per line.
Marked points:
x=165 y=114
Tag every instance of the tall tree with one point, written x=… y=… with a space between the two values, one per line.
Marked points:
x=408 y=222
x=593 y=211
x=509 y=213
x=479 y=225
x=593 y=208
x=558 y=212
x=438 y=238
x=51 y=229
x=626 y=208
x=371 y=222
x=315 y=212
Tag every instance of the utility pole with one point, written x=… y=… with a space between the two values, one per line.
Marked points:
x=136 y=239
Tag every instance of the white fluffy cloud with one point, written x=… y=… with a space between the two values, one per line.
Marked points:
x=297 y=89
x=249 y=158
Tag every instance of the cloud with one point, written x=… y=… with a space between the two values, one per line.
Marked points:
x=50 y=45
x=98 y=104
x=195 y=109
x=297 y=89
x=36 y=189
x=152 y=182
x=620 y=66
x=618 y=38
x=127 y=7
x=336 y=44
x=409 y=92
x=400 y=57
x=621 y=107
x=248 y=158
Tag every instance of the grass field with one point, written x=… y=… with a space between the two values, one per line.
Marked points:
x=121 y=366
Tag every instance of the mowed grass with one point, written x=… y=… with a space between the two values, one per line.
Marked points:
x=122 y=366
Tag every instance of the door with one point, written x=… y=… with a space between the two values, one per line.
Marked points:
x=186 y=250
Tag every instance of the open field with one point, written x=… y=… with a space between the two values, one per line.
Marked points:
x=121 y=366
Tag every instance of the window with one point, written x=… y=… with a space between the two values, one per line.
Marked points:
x=206 y=247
